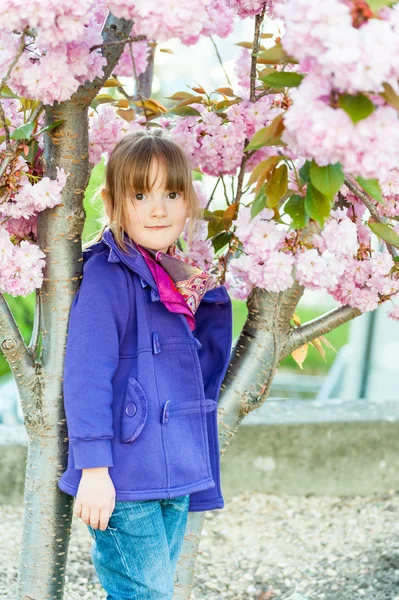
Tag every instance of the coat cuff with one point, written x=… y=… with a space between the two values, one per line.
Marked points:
x=88 y=454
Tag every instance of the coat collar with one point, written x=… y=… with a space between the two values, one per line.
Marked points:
x=135 y=261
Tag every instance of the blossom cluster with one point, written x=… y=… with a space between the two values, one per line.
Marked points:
x=58 y=57
x=21 y=264
x=333 y=263
x=314 y=129
x=187 y=20
x=341 y=56
x=216 y=143
x=330 y=44
x=248 y=8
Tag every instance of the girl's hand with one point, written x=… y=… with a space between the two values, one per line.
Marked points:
x=95 y=500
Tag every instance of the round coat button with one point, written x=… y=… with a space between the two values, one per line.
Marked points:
x=130 y=409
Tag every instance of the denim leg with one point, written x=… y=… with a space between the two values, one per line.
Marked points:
x=131 y=557
x=175 y=514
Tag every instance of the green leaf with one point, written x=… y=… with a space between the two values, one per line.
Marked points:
x=259 y=139
x=282 y=79
x=328 y=180
x=215 y=227
x=274 y=56
x=49 y=127
x=185 y=111
x=372 y=187
x=214 y=216
x=221 y=240
x=385 y=232
x=23 y=132
x=358 y=107
x=304 y=172
x=267 y=136
x=317 y=205
x=7 y=93
x=375 y=5
x=390 y=95
x=295 y=208
x=276 y=185
x=33 y=148
x=259 y=202
x=216 y=222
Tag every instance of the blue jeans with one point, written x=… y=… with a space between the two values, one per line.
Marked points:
x=135 y=557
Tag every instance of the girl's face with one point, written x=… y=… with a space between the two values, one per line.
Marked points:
x=159 y=206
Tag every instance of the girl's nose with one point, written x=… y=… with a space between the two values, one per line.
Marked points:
x=158 y=208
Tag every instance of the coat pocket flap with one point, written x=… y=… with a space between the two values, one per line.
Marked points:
x=134 y=413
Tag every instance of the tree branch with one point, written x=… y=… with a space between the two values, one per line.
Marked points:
x=114 y=30
x=317 y=327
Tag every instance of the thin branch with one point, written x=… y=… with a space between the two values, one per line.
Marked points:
x=265 y=93
x=317 y=327
x=220 y=60
x=14 y=61
x=213 y=193
x=255 y=50
x=365 y=198
x=225 y=191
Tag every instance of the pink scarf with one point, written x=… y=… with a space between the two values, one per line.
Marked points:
x=181 y=281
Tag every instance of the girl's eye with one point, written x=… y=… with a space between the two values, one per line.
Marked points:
x=171 y=195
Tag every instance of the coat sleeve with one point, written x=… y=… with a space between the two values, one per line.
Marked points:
x=97 y=323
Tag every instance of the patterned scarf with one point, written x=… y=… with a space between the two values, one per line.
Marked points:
x=181 y=281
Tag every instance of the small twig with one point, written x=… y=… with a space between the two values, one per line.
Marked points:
x=225 y=191
x=265 y=93
x=213 y=193
x=365 y=198
x=220 y=60
x=255 y=49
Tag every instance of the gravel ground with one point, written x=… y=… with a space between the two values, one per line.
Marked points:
x=264 y=547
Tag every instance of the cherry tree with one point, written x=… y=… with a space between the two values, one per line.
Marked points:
x=305 y=151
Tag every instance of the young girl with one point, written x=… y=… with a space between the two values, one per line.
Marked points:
x=149 y=340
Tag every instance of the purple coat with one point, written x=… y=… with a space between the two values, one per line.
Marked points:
x=140 y=388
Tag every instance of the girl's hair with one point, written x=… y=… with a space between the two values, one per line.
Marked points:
x=128 y=169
